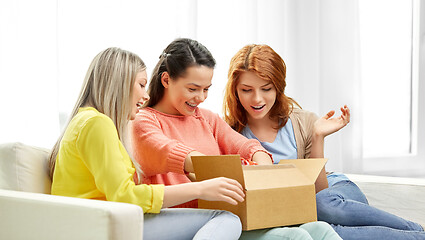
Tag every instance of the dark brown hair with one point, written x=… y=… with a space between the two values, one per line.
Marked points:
x=179 y=55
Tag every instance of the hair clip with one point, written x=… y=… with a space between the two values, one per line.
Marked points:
x=164 y=55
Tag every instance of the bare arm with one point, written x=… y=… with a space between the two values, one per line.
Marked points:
x=323 y=127
x=216 y=189
x=317 y=152
x=188 y=165
x=262 y=158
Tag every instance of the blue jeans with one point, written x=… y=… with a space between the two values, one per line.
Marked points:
x=189 y=223
x=346 y=208
x=308 y=231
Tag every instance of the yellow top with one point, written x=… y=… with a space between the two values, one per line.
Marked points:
x=92 y=163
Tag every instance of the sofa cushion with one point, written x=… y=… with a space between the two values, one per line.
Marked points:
x=41 y=216
x=24 y=168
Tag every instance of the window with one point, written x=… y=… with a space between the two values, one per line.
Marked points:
x=387 y=36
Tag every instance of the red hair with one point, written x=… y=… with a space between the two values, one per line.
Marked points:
x=263 y=61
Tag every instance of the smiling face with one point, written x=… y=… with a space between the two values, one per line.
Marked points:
x=183 y=94
x=257 y=96
x=139 y=94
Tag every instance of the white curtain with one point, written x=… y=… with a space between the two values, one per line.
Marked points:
x=320 y=45
x=46 y=52
x=28 y=72
x=46 y=47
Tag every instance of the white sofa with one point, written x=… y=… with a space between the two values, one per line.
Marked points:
x=28 y=211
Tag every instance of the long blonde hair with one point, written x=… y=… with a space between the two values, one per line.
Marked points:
x=108 y=87
x=266 y=64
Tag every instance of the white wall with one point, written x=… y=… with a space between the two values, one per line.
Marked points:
x=46 y=47
x=28 y=72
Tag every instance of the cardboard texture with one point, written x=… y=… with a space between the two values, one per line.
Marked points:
x=275 y=195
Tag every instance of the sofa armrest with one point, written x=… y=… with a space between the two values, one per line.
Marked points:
x=27 y=215
x=404 y=197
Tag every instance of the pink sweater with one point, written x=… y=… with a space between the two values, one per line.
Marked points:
x=162 y=141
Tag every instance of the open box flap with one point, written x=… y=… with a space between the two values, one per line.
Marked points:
x=273 y=176
x=207 y=167
x=310 y=167
x=266 y=205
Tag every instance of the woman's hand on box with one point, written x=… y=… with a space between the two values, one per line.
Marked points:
x=221 y=189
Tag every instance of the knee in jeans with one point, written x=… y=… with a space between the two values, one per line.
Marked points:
x=326 y=199
x=229 y=215
x=328 y=207
x=231 y=219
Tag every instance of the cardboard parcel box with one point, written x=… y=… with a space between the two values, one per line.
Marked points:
x=276 y=195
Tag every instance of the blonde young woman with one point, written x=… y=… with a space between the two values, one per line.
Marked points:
x=90 y=160
x=255 y=105
x=172 y=128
